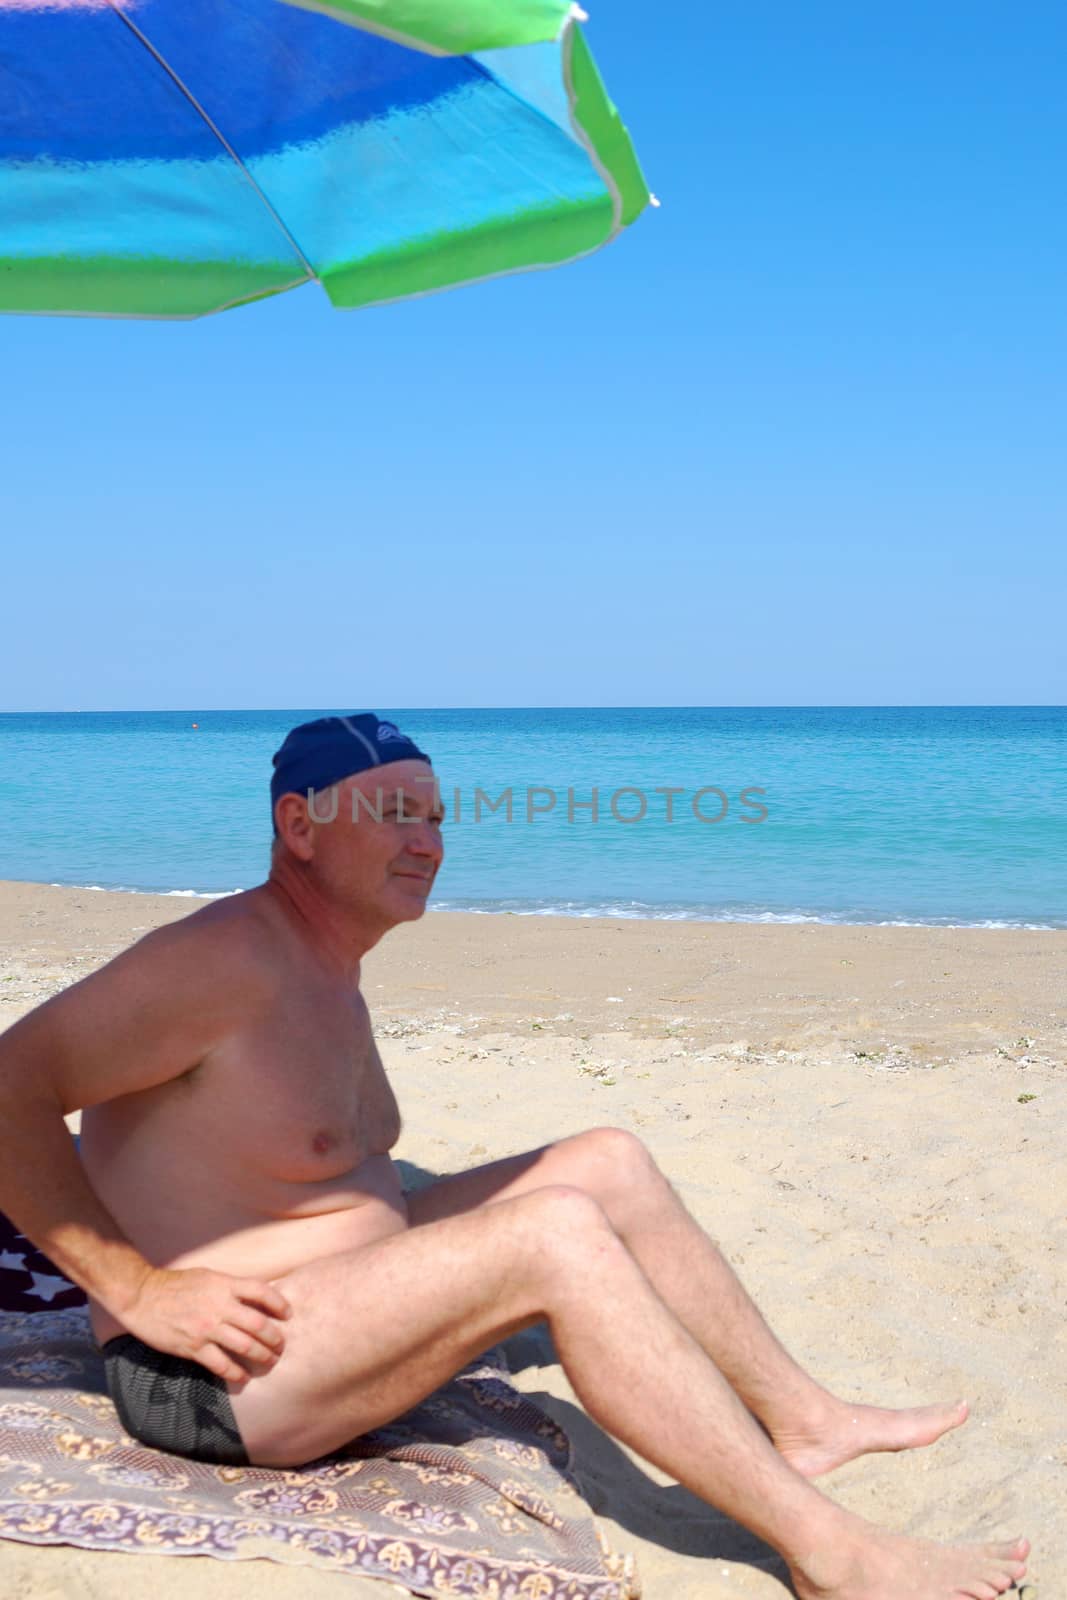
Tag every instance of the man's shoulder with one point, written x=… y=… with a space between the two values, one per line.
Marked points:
x=242 y=915
x=228 y=943
x=153 y=1012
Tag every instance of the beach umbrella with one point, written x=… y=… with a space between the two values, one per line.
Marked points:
x=167 y=158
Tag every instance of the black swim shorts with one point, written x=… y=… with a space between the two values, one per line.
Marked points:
x=172 y=1403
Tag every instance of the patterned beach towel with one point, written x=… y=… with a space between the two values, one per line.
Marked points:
x=467 y=1494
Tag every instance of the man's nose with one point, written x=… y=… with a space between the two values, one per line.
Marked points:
x=425 y=840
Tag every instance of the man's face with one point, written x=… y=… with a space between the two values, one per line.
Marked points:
x=382 y=851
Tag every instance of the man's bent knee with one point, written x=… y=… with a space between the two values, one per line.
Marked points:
x=559 y=1211
x=621 y=1151
x=558 y=1227
x=617 y=1168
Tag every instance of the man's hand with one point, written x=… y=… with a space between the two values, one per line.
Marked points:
x=209 y=1317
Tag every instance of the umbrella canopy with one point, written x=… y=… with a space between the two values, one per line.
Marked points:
x=168 y=158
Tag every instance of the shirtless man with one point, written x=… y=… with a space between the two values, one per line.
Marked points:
x=265 y=1292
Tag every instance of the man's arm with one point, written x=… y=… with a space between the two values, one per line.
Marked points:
x=146 y=1018
x=44 y=1190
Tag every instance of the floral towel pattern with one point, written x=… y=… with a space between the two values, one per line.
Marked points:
x=467 y=1494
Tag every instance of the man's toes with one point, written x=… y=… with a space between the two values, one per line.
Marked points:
x=948 y=1416
x=1009 y=1562
x=1013 y=1551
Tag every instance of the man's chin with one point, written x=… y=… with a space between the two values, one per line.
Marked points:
x=410 y=899
x=413 y=912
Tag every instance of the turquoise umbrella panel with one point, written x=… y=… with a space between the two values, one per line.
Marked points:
x=181 y=157
x=123 y=186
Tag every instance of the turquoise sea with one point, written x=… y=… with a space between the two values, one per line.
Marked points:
x=949 y=815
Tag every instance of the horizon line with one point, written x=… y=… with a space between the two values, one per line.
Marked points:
x=677 y=705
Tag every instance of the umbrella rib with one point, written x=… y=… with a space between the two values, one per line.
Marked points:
x=184 y=89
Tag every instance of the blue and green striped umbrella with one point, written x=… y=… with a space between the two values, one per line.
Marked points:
x=166 y=158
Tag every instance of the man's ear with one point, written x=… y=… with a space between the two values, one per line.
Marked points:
x=296 y=830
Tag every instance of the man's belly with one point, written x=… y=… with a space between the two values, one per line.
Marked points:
x=311 y=1221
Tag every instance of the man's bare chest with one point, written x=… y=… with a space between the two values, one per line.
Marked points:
x=302 y=1093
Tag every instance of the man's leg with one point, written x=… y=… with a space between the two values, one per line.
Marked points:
x=813 y=1429
x=375 y=1330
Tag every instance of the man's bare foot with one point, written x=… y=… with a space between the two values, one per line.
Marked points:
x=883 y=1566
x=842 y=1432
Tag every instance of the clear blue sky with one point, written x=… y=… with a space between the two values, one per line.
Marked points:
x=799 y=437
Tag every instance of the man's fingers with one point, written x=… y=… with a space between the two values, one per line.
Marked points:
x=222 y=1365
x=265 y=1329
x=265 y=1295
x=246 y=1345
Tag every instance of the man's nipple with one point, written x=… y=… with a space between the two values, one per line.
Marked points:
x=321 y=1143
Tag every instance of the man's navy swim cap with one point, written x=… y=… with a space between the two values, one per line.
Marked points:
x=319 y=753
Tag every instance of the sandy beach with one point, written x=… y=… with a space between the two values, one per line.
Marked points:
x=870 y=1120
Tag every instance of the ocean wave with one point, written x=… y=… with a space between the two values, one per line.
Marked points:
x=643 y=911
x=121 y=888
x=197 y=894
x=635 y=910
